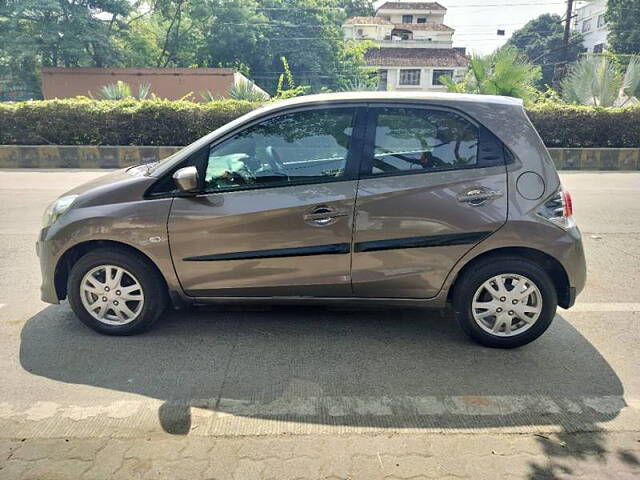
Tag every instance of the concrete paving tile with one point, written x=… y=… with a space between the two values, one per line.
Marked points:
x=155 y=449
x=49 y=449
x=185 y=469
x=108 y=460
x=56 y=470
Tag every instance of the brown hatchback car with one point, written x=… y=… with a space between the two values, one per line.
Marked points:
x=404 y=198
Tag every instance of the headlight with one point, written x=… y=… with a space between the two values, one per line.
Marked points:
x=56 y=209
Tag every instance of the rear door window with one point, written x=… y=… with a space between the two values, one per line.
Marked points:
x=420 y=139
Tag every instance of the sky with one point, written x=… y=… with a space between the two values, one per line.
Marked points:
x=476 y=21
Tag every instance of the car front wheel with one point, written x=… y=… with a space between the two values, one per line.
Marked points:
x=505 y=302
x=116 y=292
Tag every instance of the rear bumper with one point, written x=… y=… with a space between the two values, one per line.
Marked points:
x=575 y=265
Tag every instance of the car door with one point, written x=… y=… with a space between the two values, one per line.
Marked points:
x=433 y=184
x=275 y=213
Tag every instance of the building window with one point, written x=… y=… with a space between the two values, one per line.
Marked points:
x=586 y=26
x=601 y=21
x=360 y=32
x=439 y=73
x=422 y=20
x=382 y=80
x=407 y=19
x=598 y=48
x=409 y=77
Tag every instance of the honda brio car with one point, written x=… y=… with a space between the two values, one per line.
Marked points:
x=421 y=199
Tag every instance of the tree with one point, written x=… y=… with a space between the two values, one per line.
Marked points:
x=623 y=18
x=596 y=80
x=258 y=33
x=505 y=72
x=353 y=73
x=358 y=8
x=308 y=33
x=67 y=33
x=57 y=33
x=541 y=41
x=249 y=35
x=233 y=35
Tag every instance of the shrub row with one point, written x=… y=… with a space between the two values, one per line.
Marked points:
x=163 y=122
x=90 y=122
x=587 y=127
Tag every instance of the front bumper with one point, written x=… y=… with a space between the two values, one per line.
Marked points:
x=48 y=262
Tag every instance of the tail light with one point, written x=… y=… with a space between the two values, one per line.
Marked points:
x=558 y=209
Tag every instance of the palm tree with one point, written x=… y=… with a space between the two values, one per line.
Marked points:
x=596 y=80
x=122 y=90
x=504 y=72
x=246 y=90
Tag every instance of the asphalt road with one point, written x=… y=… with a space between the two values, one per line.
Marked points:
x=232 y=372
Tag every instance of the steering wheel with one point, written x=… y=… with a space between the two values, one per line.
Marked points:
x=274 y=160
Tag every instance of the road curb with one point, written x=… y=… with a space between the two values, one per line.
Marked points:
x=105 y=156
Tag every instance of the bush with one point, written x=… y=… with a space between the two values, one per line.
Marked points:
x=164 y=122
x=567 y=126
x=128 y=122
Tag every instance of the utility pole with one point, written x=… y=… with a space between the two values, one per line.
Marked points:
x=561 y=67
x=567 y=31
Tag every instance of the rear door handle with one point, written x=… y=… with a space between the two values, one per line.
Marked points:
x=479 y=196
x=323 y=215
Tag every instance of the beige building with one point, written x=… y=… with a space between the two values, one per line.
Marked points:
x=416 y=47
x=590 y=22
x=171 y=83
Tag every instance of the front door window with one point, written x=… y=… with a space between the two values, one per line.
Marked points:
x=294 y=148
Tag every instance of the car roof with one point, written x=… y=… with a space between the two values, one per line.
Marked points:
x=441 y=97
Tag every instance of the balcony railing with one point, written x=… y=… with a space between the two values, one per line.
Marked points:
x=416 y=42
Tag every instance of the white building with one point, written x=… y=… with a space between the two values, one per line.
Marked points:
x=590 y=22
x=416 y=47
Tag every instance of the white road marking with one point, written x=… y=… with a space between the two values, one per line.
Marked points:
x=320 y=414
x=605 y=307
x=337 y=406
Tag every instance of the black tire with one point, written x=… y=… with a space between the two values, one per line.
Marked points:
x=473 y=278
x=153 y=287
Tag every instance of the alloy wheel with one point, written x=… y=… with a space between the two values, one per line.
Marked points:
x=507 y=304
x=111 y=295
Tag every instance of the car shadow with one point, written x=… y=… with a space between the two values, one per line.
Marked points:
x=392 y=368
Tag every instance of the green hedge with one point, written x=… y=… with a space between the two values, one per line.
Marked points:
x=91 y=122
x=587 y=127
x=163 y=122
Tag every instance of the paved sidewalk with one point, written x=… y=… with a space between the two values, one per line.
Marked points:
x=536 y=456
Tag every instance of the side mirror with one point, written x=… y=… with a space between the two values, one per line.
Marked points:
x=186 y=179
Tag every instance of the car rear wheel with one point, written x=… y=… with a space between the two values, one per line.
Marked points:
x=116 y=292
x=505 y=302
